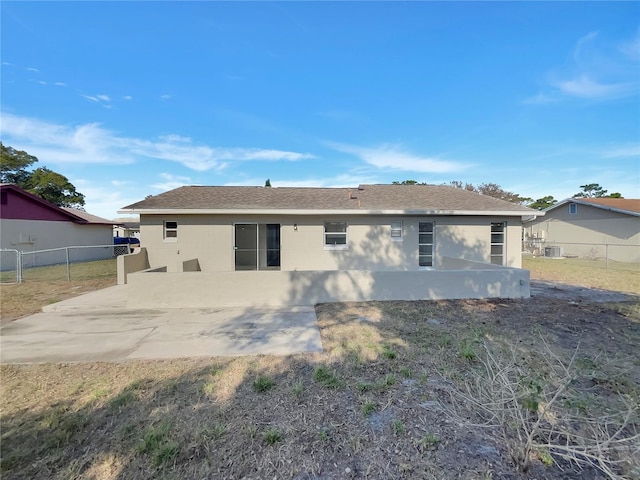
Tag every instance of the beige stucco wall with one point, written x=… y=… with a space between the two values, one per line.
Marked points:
x=209 y=238
x=133 y=262
x=591 y=232
x=278 y=288
x=34 y=235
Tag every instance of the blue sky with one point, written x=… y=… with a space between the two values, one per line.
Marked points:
x=132 y=99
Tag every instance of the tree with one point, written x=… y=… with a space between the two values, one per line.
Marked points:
x=594 y=190
x=465 y=186
x=407 y=182
x=491 y=190
x=496 y=191
x=591 y=190
x=46 y=184
x=54 y=188
x=267 y=183
x=542 y=203
x=14 y=164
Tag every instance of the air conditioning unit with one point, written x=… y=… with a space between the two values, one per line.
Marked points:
x=553 y=252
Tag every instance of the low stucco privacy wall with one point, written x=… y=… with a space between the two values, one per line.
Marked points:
x=280 y=288
x=134 y=262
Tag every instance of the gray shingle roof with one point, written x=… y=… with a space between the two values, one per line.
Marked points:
x=87 y=216
x=366 y=198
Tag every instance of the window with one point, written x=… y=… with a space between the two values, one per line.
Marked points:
x=425 y=244
x=396 y=231
x=573 y=208
x=335 y=235
x=497 y=243
x=170 y=230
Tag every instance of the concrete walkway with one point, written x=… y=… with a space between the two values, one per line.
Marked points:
x=98 y=327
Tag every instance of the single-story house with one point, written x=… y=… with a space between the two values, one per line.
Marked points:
x=28 y=223
x=237 y=246
x=127 y=229
x=593 y=228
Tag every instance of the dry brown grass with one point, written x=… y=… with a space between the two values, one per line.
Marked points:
x=365 y=408
x=46 y=285
x=584 y=272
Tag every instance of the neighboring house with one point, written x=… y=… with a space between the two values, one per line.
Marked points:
x=274 y=246
x=28 y=223
x=587 y=227
x=126 y=229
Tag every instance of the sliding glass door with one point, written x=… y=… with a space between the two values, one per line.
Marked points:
x=257 y=246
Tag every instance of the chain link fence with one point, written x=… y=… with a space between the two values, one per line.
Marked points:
x=10 y=271
x=66 y=263
x=615 y=256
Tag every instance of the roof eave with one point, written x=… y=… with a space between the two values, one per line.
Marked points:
x=275 y=211
x=590 y=204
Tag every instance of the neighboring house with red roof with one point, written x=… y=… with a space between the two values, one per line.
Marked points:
x=274 y=246
x=588 y=227
x=28 y=223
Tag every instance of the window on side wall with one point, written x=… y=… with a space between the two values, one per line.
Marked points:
x=497 y=243
x=426 y=233
x=171 y=231
x=396 y=231
x=573 y=208
x=335 y=235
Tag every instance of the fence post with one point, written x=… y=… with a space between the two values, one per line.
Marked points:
x=68 y=266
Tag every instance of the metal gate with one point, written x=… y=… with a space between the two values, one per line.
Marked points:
x=10 y=266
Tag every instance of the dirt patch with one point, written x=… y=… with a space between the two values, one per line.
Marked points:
x=576 y=293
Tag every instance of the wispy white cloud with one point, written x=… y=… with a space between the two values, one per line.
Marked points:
x=202 y=157
x=32 y=69
x=630 y=150
x=91 y=143
x=581 y=44
x=101 y=98
x=585 y=87
x=104 y=201
x=394 y=157
x=540 y=99
x=60 y=84
x=165 y=97
x=172 y=181
x=42 y=82
x=631 y=48
x=88 y=143
x=127 y=97
x=597 y=71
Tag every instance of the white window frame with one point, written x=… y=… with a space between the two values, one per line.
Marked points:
x=331 y=246
x=433 y=245
x=396 y=231
x=573 y=209
x=503 y=244
x=166 y=229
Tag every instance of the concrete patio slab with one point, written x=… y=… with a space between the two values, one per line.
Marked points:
x=98 y=327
